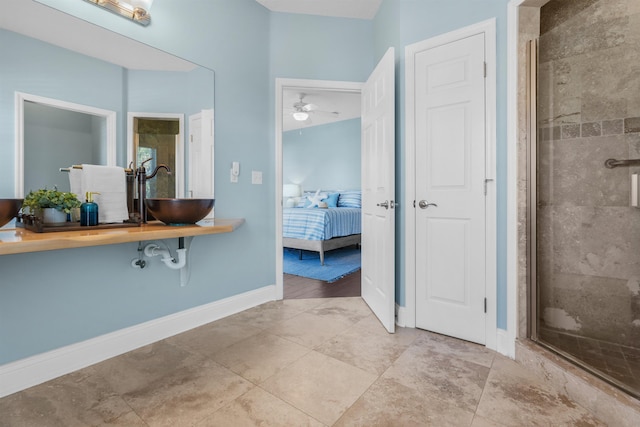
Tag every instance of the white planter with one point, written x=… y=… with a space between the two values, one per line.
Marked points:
x=52 y=216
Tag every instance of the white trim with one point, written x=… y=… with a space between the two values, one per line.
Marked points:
x=505 y=345
x=19 y=375
x=487 y=27
x=401 y=316
x=281 y=84
x=179 y=169
x=21 y=98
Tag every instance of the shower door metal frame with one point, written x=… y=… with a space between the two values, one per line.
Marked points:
x=532 y=190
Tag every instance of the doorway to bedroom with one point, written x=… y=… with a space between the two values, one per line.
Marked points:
x=321 y=182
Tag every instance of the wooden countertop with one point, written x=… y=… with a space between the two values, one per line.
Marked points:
x=19 y=240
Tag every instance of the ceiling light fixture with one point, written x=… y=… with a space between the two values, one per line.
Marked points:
x=135 y=10
x=300 y=116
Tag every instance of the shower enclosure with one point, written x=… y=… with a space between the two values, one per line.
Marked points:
x=584 y=255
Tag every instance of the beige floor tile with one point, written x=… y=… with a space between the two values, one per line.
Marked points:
x=297 y=363
x=267 y=315
x=389 y=403
x=77 y=399
x=310 y=330
x=260 y=356
x=259 y=408
x=368 y=345
x=165 y=384
x=479 y=421
x=351 y=309
x=213 y=337
x=144 y=367
x=441 y=376
x=320 y=386
x=460 y=349
x=515 y=397
x=187 y=395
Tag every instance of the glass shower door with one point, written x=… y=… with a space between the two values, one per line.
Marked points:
x=585 y=233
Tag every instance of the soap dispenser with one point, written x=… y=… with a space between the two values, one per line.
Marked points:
x=89 y=210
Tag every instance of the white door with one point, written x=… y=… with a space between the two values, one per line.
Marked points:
x=378 y=191
x=201 y=159
x=450 y=188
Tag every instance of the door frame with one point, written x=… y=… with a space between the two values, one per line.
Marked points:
x=180 y=166
x=301 y=84
x=407 y=314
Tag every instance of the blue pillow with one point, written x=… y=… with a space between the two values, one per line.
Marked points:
x=350 y=199
x=332 y=200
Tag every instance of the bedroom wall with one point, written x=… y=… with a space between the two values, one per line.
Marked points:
x=323 y=157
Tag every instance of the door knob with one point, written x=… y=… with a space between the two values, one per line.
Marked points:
x=424 y=205
x=384 y=204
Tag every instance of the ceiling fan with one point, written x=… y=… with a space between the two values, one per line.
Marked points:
x=302 y=110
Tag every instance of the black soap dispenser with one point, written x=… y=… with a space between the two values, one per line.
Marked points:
x=89 y=210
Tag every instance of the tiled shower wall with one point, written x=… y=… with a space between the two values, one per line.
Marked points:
x=589 y=111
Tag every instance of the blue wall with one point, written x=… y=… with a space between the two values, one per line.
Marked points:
x=51 y=299
x=77 y=294
x=323 y=157
x=53 y=73
x=401 y=23
x=55 y=138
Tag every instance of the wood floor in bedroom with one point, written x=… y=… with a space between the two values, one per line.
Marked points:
x=296 y=287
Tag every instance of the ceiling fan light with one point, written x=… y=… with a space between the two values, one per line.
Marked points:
x=300 y=116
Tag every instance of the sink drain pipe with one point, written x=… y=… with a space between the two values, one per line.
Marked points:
x=153 y=249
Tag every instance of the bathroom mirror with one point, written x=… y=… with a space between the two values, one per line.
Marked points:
x=108 y=80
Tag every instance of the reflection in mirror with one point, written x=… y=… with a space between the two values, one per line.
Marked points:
x=159 y=139
x=43 y=70
x=57 y=134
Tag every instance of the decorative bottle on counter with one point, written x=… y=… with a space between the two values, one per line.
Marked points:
x=89 y=210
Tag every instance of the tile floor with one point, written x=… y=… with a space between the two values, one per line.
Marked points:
x=619 y=362
x=303 y=362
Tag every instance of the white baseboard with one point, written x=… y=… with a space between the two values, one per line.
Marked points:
x=505 y=344
x=401 y=316
x=25 y=373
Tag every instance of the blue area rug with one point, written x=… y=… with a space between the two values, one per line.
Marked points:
x=337 y=263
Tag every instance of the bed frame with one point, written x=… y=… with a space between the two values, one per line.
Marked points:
x=321 y=245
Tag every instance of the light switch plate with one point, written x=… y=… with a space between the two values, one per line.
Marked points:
x=256 y=177
x=234 y=177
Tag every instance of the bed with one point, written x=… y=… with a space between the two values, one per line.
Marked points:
x=319 y=230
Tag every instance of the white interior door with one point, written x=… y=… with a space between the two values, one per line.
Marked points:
x=378 y=191
x=201 y=153
x=450 y=188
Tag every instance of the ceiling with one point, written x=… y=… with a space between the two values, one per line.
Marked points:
x=45 y=23
x=327 y=104
x=359 y=9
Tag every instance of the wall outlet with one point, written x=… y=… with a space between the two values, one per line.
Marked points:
x=256 y=177
x=234 y=177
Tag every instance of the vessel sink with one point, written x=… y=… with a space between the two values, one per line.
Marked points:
x=179 y=211
x=8 y=209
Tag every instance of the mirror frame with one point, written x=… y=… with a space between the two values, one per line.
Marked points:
x=22 y=97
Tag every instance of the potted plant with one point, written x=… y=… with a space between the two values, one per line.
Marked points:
x=51 y=206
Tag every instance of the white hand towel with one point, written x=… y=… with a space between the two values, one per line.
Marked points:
x=75 y=183
x=110 y=182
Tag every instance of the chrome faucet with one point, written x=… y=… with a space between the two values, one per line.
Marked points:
x=142 y=177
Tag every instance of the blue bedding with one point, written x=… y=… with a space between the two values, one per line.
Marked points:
x=320 y=224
